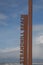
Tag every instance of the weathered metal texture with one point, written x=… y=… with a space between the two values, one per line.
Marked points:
x=23 y=39
x=26 y=37
x=30 y=32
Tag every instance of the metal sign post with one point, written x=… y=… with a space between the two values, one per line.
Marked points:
x=30 y=32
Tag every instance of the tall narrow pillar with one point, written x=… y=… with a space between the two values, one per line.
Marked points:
x=30 y=32
x=24 y=30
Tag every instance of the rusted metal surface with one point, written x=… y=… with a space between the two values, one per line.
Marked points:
x=26 y=37
x=23 y=39
x=30 y=32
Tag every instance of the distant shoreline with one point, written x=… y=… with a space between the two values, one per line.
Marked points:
x=8 y=62
x=19 y=62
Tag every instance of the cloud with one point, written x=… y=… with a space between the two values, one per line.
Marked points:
x=9 y=49
x=37 y=52
x=9 y=53
x=38 y=40
x=37 y=48
x=38 y=27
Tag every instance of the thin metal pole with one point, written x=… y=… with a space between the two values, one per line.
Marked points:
x=30 y=32
x=25 y=39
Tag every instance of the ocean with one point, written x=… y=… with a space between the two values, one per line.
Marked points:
x=19 y=64
x=10 y=64
x=37 y=64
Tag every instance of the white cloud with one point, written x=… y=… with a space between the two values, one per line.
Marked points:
x=37 y=48
x=39 y=39
x=37 y=52
x=10 y=53
x=9 y=49
x=37 y=28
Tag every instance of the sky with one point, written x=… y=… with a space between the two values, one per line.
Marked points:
x=37 y=31
x=10 y=13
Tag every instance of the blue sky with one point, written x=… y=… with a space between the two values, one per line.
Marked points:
x=37 y=20
x=38 y=12
x=10 y=12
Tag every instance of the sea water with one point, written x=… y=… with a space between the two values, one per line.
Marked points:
x=10 y=64
x=19 y=64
